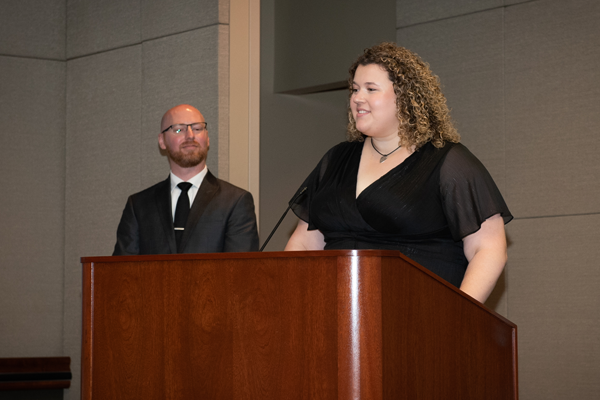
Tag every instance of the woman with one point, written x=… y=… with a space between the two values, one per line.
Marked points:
x=403 y=181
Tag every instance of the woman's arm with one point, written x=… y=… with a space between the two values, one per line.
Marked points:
x=303 y=239
x=486 y=252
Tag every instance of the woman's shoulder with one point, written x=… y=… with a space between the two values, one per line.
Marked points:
x=341 y=149
x=458 y=156
x=461 y=167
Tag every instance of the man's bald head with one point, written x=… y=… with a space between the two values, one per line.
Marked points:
x=181 y=114
x=187 y=144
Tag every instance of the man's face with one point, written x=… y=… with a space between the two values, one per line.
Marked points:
x=186 y=149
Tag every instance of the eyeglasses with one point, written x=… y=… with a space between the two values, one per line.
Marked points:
x=197 y=127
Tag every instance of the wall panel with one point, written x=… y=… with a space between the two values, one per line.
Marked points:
x=100 y=25
x=32 y=125
x=516 y=2
x=295 y=132
x=553 y=281
x=33 y=28
x=103 y=168
x=304 y=129
x=316 y=41
x=162 y=18
x=179 y=69
x=552 y=96
x=412 y=12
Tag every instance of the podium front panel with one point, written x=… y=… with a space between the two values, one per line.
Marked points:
x=294 y=325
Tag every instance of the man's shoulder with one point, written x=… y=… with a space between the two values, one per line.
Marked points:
x=151 y=191
x=226 y=187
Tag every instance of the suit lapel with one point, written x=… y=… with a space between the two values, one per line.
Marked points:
x=207 y=191
x=165 y=213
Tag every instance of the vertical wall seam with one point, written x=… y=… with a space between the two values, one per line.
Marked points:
x=142 y=79
x=506 y=270
x=65 y=177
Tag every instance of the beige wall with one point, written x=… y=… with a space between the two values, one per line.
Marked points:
x=128 y=63
x=83 y=85
x=522 y=80
x=298 y=54
x=339 y=29
x=79 y=110
x=32 y=199
x=32 y=161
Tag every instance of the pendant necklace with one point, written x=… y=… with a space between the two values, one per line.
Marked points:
x=383 y=156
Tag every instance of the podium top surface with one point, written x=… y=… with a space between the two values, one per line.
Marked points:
x=255 y=254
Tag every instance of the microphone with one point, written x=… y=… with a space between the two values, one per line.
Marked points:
x=283 y=216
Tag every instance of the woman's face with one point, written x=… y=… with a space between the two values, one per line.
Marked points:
x=373 y=102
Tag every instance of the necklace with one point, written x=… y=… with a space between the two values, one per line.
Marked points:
x=383 y=156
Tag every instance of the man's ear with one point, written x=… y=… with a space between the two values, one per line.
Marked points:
x=161 y=141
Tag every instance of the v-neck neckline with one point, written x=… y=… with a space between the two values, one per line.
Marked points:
x=369 y=186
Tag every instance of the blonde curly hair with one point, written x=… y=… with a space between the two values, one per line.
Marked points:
x=420 y=105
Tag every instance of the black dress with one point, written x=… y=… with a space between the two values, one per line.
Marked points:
x=424 y=207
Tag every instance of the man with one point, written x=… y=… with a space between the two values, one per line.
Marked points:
x=204 y=215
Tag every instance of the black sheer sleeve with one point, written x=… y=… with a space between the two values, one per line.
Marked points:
x=300 y=202
x=469 y=194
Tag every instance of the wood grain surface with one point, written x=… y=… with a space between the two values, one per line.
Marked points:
x=294 y=325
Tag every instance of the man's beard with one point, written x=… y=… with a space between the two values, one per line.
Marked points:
x=187 y=159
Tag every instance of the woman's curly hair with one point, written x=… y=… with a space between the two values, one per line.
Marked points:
x=420 y=105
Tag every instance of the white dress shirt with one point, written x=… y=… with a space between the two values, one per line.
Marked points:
x=196 y=181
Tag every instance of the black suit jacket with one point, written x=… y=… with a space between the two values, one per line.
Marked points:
x=221 y=219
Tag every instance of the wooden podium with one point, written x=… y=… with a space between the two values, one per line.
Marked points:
x=349 y=324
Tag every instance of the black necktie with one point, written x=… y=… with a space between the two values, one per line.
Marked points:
x=181 y=211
